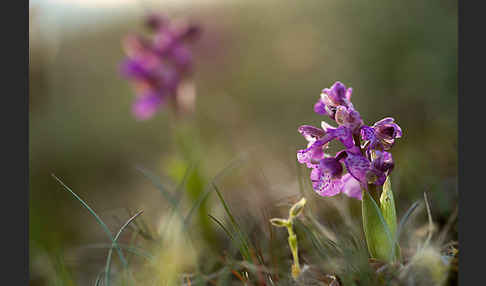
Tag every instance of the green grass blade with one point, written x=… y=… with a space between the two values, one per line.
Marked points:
x=178 y=196
x=99 y=278
x=98 y=219
x=220 y=224
x=431 y=223
x=209 y=188
x=404 y=220
x=132 y=249
x=157 y=184
x=108 y=258
x=244 y=245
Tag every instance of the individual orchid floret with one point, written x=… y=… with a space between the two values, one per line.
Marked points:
x=368 y=171
x=348 y=117
x=357 y=165
x=382 y=135
x=312 y=155
x=318 y=139
x=333 y=97
x=382 y=161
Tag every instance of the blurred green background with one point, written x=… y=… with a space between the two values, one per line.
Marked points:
x=260 y=67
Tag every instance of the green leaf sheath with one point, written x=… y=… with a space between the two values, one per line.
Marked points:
x=377 y=233
x=387 y=206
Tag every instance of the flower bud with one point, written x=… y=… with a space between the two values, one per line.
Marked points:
x=297 y=208
x=279 y=222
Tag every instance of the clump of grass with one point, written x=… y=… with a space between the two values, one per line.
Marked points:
x=248 y=251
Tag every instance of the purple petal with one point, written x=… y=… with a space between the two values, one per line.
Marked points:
x=343 y=134
x=168 y=77
x=349 y=117
x=133 y=69
x=336 y=95
x=311 y=133
x=146 y=106
x=332 y=166
x=384 y=121
x=351 y=187
x=367 y=133
x=320 y=108
x=182 y=56
x=383 y=161
x=358 y=166
x=349 y=92
x=311 y=155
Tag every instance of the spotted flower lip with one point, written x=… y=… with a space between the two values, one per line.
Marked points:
x=329 y=180
x=382 y=135
x=326 y=177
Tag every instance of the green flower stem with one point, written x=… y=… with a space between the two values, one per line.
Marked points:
x=294 y=211
x=294 y=249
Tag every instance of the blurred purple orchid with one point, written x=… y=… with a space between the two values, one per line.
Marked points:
x=157 y=66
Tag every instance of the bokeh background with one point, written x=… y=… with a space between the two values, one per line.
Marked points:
x=260 y=67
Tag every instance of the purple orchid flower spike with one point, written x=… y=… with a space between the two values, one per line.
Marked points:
x=364 y=166
x=368 y=166
x=382 y=135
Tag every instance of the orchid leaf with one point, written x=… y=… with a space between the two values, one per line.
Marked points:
x=377 y=232
x=387 y=206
